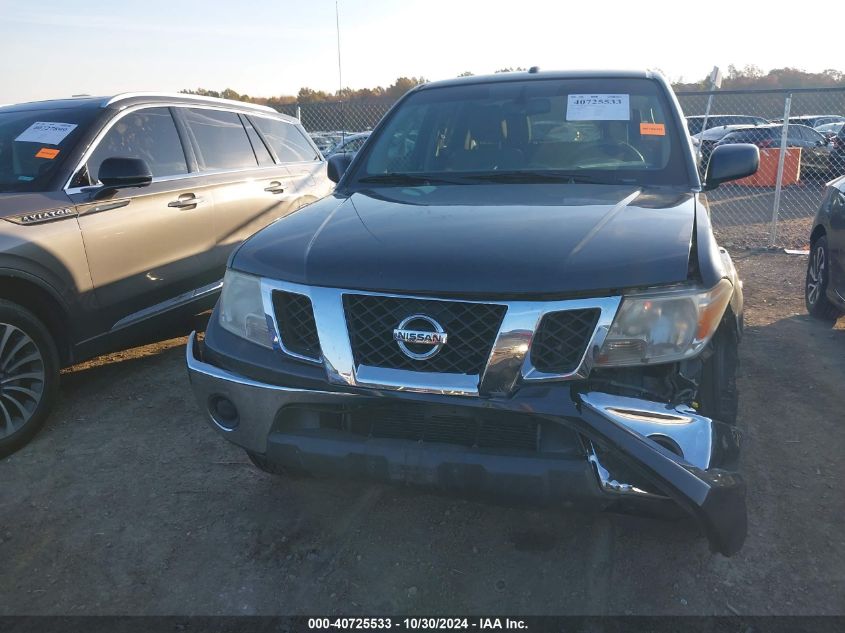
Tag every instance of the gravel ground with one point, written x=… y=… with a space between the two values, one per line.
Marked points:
x=129 y=503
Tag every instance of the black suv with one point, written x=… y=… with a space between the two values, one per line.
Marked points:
x=816 y=150
x=487 y=309
x=824 y=288
x=117 y=216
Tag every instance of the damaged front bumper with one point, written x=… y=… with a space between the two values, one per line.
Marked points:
x=633 y=449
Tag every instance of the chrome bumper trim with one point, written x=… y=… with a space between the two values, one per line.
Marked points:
x=690 y=432
x=713 y=496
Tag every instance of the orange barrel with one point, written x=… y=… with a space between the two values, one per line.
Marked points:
x=767 y=174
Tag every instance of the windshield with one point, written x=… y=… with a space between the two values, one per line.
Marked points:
x=34 y=143
x=613 y=130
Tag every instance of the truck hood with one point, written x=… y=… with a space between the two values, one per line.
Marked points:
x=490 y=240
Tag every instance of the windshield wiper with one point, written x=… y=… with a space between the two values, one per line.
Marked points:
x=411 y=180
x=550 y=176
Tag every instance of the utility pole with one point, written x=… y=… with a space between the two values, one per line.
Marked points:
x=715 y=84
x=339 y=73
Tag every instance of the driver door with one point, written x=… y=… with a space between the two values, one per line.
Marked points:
x=148 y=248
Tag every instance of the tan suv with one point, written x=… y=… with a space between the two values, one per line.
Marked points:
x=119 y=214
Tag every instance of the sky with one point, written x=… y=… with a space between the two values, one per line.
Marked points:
x=58 y=48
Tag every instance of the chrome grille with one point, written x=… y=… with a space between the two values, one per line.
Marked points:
x=471 y=329
x=297 y=328
x=562 y=339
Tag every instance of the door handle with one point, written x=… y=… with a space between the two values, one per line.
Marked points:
x=275 y=187
x=185 y=201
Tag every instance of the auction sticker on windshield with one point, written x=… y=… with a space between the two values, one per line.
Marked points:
x=46 y=132
x=600 y=107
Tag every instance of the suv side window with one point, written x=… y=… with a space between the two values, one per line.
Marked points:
x=221 y=139
x=813 y=136
x=286 y=139
x=793 y=132
x=149 y=134
x=262 y=153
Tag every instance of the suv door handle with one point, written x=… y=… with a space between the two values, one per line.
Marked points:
x=275 y=187
x=185 y=201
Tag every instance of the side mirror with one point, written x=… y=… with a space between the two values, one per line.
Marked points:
x=731 y=162
x=116 y=173
x=338 y=164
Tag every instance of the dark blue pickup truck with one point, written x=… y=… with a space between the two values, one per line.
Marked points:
x=514 y=292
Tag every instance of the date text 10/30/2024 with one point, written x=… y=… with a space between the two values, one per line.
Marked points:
x=481 y=624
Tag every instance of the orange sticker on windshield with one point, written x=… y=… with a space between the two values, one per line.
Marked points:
x=652 y=129
x=48 y=153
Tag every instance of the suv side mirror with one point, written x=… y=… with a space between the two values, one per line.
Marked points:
x=731 y=162
x=338 y=164
x=117 y=172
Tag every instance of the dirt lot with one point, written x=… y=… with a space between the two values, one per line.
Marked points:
x=129 y=503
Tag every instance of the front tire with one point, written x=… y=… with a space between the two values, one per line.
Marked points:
x=29 y=376
x=718 y=395
x=816 y=281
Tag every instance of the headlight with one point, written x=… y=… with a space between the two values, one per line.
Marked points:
x=242 y=309
x=664 y=327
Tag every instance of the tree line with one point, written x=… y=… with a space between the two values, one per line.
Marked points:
x=753 y=78
x=749 y=77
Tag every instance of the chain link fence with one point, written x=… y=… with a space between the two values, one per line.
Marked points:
x=331 y=123
x=774 y=208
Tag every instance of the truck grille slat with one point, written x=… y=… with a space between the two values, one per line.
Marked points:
x=471 y=330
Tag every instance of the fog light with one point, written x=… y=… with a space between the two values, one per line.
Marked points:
x=224 y=412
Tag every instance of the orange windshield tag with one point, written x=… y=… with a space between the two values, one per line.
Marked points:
x=652 y=129
x=46 y=152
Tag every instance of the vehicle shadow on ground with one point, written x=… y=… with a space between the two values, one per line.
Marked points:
x=104 y=370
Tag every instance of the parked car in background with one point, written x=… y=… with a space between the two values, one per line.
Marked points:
x=486 y=312
x=816 y=150
x=325 y=141
x=117 y=216
x=824 y=289
x=704 y=142
x=837 y=144
x=830 y=130
x=812 y=120
x=695 y=123
x=349 y=144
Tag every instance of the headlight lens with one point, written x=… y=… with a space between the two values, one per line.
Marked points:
x=242 y=310
x=663 y=328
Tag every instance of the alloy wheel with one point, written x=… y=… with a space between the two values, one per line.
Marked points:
x=815 y=275
x=22 y=378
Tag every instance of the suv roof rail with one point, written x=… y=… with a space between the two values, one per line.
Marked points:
x=185 y=95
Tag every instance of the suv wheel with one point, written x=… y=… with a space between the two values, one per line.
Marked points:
x=29 y=376
x=815 y=286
